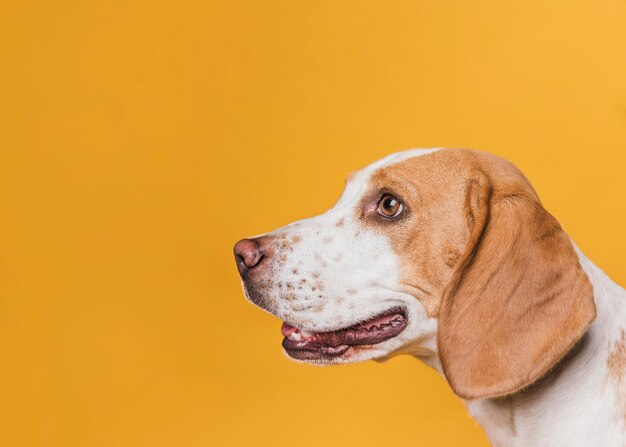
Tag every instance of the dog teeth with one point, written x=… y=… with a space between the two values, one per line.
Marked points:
x=298 y=335
x=295 y=336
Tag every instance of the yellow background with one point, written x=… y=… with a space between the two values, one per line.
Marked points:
x=140 y=139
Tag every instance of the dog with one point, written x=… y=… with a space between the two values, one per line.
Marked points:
x=448 y=255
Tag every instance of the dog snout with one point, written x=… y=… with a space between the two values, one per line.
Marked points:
x=249 y=254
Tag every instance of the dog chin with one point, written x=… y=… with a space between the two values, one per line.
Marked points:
x=355 y=354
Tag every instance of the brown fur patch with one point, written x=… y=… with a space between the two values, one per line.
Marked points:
x=616 y=372
x=617 y=359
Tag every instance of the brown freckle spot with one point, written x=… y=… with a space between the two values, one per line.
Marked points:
x=289 y=286
x=319 y=285
x=315 y=275
x=340 y=223
x=327 y=240
x=294 y=271
x=319 y=259
x=295 y=239
x=318 y=309
x=303 y=281
x=283 y=258
x=313 y=289
x=339 y=300
x=351 y=292
x=300 y=308
x=290 y=297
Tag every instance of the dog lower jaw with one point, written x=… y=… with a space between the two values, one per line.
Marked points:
x=354 y=354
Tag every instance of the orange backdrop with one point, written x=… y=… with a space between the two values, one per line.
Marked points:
x=141 y=138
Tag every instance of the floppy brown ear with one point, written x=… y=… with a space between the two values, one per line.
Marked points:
x=519 y=300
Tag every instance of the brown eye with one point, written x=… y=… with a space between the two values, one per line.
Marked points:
x=389 y=206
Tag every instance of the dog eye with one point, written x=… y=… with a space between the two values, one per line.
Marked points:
x=389 y=207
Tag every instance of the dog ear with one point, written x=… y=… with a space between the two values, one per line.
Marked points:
x=519 y=300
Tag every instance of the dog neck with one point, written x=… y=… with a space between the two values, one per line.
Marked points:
x=582 y=400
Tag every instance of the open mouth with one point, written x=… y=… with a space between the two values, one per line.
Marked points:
x=314 y=345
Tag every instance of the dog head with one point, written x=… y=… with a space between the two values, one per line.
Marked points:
x=446 y=254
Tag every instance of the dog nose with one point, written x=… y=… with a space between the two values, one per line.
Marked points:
x=248 y=254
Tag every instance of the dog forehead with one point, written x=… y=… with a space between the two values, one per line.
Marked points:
x=358 y=181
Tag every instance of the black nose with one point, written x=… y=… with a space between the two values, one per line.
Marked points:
x=248 y=254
